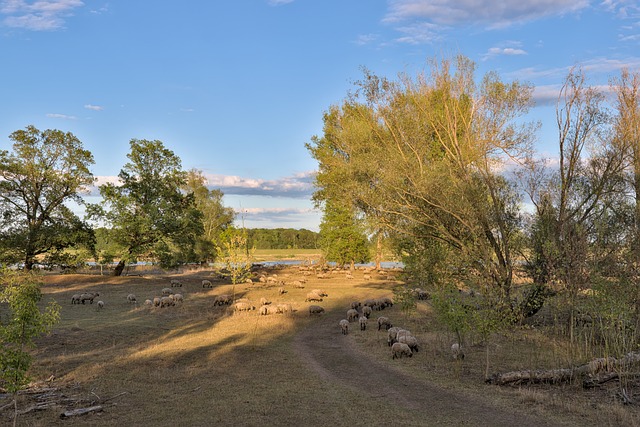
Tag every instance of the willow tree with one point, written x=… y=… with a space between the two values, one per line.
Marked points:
x=423 y=156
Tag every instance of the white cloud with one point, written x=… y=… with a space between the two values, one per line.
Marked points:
x=279 y=2
x=502 y=51
x=279 y=217
x=61 y=116
x=296 y=186
x=41 y=15
x=93 y=107
x=493 y=13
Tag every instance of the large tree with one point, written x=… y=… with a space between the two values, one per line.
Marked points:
x=45 y=171
x=422 y=156
x=148 y=213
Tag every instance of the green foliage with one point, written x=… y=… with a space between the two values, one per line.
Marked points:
x=25 y=322
x=236 y=254
x=406 y=299
x=148 y=213
x=452 y=311
x=342 y=237
x=46 y=170
x=282 y=238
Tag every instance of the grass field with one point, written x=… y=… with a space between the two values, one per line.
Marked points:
x=199 y=365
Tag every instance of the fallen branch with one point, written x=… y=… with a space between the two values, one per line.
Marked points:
x=113 y=397
x=81 y=411
x=556 y=376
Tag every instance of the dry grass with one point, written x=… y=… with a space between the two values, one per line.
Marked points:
x=203 y=365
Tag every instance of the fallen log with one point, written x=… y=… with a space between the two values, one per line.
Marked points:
x=80 y=411
x=557 y=376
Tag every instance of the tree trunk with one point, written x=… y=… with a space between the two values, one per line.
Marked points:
x=119 y=268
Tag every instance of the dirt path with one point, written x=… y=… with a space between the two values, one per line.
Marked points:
x=336 y=359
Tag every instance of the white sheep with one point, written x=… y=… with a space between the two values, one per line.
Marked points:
x=269 y=309
x=344 y=326
x=355 y=305
x=156 y=301
x=392 y=335
x=167 y=302
x=457 y=351
x=166 y=291
x=400 y=350
x=100 y=304
x=315 y=309
x=409 y=340
x=88 y=296
x=75 y=299
x=243 y=306
x=363 y=323
x=312 y=296
x=320 y=292
x=207 y=284
x=264 y=301
x=366 y=311
x=281 y=291
x=148 y=302
x=222 y=300
x=384 y=322
x=131 y=298
x=178 y=298
x=352 y=315
x=284 y=308
x=175 y=283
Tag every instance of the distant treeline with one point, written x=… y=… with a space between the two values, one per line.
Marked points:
x=282 y=238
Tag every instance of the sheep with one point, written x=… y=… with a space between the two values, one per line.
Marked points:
x=352 y=315
x=148 y=302
x=320 y=292
x=268 y=309
x=175 y=283
x=100 y=304
x=344 y=326
x=281 y=291
x=166 y=291
x=363 y=323
x=131 y=298
x=384 y=302
x=366 y=311
x=315 y=309
x=243 y=306
x=264 y=301
x=402 y=333
x=384 y=322
x=355 y=305
x=409 y=340
x=399 y=350
x=457 y=351
x=284 y=308
x=222 y=300
x=369 y=303
x=392 y=335
x=312 y=296
x=88 y=296
x=75 y=299
x=366 y=277
x=167 y=302
x=207 y=284
x=156 y=301
x=178 y=298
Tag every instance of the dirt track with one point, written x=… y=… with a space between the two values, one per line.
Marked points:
x=337 y=360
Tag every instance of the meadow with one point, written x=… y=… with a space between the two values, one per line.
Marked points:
x=197 y=364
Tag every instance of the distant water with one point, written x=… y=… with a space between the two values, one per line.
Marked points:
x=384 y=264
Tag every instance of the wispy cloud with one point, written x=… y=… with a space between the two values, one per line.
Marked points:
x=61 y=116
x=41 y=15
x=492 y=13
x=279 y=2
x=365 y=39
x=503 y=51
x=296 y=186
x=278 y=217
x=93 y=107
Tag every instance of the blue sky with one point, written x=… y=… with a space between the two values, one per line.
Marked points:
x=236 y=88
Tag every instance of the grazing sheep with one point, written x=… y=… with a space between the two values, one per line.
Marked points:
x=384 y=322
x=269 y=309
x=131 y=298
x=457 y=351
x=148 y=302
x=315 y=309
x=384 y=302
x=167 y=302
x=402 y=333
x=264 y=301
x=369 y=303
x=366 y=311
x=222 y=300
x=400 y=350
x=320 y=292
x=178 y=298
x=88 y=296
x=352 y=315
x=409 y=340
x=366 y=277
x=243 y=306
x=207 y=284
x=284 y=308
x=156 y=301
x=75 y=299
x=355 y=305
x=363 y=323
x=392 y=335
x=344 y=326
x=100 y=304
x=166 y=291
x=312 y=296
x=175 y=283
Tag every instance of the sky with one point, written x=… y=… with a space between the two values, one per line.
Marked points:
x=236 y=88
